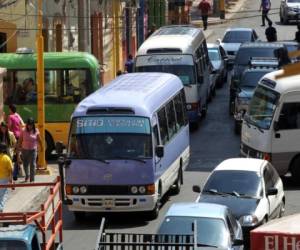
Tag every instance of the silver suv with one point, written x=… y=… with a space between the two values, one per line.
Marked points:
x=289 y=10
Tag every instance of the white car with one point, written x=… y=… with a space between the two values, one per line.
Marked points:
x=234 y=37
x=250 y=188
x=289 y=10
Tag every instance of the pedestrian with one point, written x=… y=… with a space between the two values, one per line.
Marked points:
x=6 y=168
x=265 y=6
x=297 y=34
x=271 y=33
x=7 y=137
x=129 y=64
x=28 y=144
x=204 y=7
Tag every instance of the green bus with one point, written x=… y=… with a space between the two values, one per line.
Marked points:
x=69 y=77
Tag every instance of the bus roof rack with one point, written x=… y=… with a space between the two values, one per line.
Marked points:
x=24 y=50
x=263 y=62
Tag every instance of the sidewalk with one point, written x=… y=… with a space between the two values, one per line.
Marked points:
x=231 y=9
x=26 y=199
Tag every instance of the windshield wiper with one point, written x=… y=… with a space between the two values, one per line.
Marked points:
x=247 y=196
x=234 y=193
x=252 y=123
x=91 y=158
x=214 y=191
x=130 y=158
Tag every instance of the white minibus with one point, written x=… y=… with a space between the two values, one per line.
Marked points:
x=128 y=145
x=271 y=128
x=180 y=50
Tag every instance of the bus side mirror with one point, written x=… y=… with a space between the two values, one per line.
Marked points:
x=159 y=151
x=276 y=126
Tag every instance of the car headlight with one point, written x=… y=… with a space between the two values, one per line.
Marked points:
x=248 y=220
x=75 y=190
x=83 y=189
x=134 y=189
x=142 y=189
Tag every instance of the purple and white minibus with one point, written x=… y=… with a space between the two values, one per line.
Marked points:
x=128 y=145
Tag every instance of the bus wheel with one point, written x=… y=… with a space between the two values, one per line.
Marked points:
x=79 y=216
x=295 y=169
x=49 y=145
x=177 y=185
x=153 y=214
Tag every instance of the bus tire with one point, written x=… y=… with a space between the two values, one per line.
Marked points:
x=178 y=182
x=153 y=214
x=295 y=169
x=79 y=215
x=49 y=145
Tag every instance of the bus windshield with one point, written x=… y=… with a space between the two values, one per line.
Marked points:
x=262 y=107
x=110 y=137
x=184 y=72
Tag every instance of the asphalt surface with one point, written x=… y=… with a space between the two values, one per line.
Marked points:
x=213 y=142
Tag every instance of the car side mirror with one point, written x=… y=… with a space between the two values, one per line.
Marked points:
x=272 y=191
x=159 y=151
x=238 y=242
x=59 y=147
x=196 y=189
x=276 y=126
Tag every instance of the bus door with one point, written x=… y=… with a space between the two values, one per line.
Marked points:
x=286 y=136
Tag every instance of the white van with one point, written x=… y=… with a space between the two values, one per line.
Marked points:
x=271 y=128
x=182 y=51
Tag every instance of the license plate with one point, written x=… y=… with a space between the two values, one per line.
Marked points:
x=108 y=203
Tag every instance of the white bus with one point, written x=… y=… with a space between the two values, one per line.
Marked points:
x=180 y=50
x=128 y=145
x=271 y=128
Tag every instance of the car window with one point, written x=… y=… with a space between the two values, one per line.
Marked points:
x=290 y=116
x=243 y=182
x=245 y=54
x=230 y=227
x=233 y=222
x=267 y=179
x=273 y=173
x=214 y=54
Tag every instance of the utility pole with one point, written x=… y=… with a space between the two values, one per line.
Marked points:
x=41 y=87
x=222 y=9
x=116 y=34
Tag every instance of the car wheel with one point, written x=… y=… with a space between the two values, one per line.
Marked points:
x=281 y=209
x=178 y=182
x=295 y=170
x=204 y=110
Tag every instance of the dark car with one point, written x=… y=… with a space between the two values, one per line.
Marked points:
x=248 y=83
x=244 y=55
x=250 y=188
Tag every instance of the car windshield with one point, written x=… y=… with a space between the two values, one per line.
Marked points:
x=242 y=182
x=184 y=72
x=244 y=54
x=214 y=55
x=262 y=107
x=105 y=138
x=210 y=231
x=237 y=37
x=250 y=79
x=293 y=1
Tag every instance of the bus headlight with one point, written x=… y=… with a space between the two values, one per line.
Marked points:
x=142 y=190
x=75 y=190
x=134 y=189
x=83 y=189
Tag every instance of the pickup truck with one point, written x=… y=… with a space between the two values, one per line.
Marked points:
x=37 y=230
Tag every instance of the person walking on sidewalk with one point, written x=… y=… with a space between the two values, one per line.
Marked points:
x=28 y=143
x=271 y=33
x=6 y=168
x=7 y=137
x=204 y=7
x=265 y=6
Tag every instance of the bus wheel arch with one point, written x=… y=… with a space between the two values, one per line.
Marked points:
x=294 y=167
x=153 y=214
x=49 y=147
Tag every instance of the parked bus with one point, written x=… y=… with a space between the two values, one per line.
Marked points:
x=128 y=145
x=180 y=50
x=69 y=77
x=271 y=129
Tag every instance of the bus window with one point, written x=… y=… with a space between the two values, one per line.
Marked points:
x=163 y=126
x=171 y=119
x=155 y=136
x=179 y=108
x=290 y=116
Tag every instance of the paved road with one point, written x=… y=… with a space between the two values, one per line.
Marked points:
x=213 y=142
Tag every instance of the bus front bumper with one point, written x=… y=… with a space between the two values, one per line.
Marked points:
x=115 y=203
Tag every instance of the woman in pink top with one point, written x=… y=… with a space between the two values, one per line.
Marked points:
x=14 y=121
x=28 y=142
